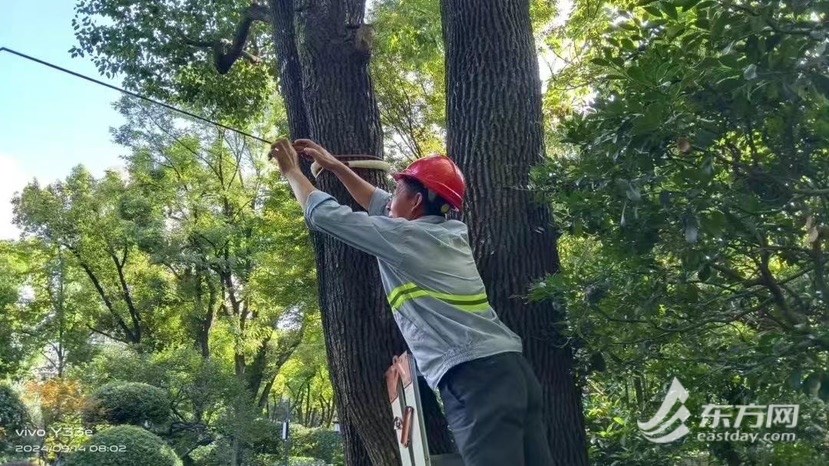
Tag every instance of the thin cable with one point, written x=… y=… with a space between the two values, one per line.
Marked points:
x=133 y=94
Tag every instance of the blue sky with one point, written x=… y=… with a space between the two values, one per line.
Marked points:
x=49 y=121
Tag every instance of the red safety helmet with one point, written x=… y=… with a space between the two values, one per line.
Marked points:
x=440 y=175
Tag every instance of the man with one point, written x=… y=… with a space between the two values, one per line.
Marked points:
x=491 y=396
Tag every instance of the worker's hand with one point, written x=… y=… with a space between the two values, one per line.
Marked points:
x=285 y=155
x=318 y=153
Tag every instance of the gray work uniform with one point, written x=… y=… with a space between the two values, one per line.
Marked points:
x=440 y=305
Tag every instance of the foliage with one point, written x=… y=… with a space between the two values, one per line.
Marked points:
x=166 y=49
x=408 y=72
x=14 y=417
x=198 y=235
x=203 y=393
x=688 y=178
x=320 y=443
x=305 y=461
x=89 y=219
x=128 y=403
x=305 y=383
x=14 y=346
x=124 y=446
x=59 y=399
x=691 y=193
x=50 y=310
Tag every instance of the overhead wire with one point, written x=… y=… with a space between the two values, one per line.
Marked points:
x=316 y=169
x=132 y=94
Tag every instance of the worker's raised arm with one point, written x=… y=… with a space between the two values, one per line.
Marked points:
x=286 y=159
x=381 y=236
x=360 y=189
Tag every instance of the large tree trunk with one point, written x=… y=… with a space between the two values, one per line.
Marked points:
x=323 y=49
x=360 y=332
x=495 y=134
x=290 y=83
x=325 y=81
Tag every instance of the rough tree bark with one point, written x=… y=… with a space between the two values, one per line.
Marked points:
x=359 y=330
x=347 y=308
x=495 y=134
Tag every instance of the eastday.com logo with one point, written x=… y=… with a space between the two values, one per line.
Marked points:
x=658 y=429
x=654 y=429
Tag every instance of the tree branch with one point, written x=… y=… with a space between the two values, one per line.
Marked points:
x=125 y=292
x=107 y=301
x=226 y=52
x=111 y=337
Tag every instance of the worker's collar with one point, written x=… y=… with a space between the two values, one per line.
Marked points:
x=431 y=219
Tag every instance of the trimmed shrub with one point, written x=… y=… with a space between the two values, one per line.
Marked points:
x=125 y=446
x=128 y=403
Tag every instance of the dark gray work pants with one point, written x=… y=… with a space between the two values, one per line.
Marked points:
x=493 y=406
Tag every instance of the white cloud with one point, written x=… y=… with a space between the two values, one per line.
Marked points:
x=12 y=179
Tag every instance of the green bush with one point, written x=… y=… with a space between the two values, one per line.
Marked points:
x=13 y=417
x=128 y=403
x=125 y=446
x=324 y=444
x=305 y=461
x=265 y=436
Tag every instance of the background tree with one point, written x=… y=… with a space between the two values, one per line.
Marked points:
x=13 y=353
x=692 y=193
x=13 y=419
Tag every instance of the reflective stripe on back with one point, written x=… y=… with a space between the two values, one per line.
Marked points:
x=410 y=291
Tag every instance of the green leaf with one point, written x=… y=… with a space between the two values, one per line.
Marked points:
x=730 y=60
x=713 y=223
x=750 y=72
x=578 y=226
x=669 y=9
x=721 y=21
x=691 y=228
x=654 y=11
x=637 y=74
x=753 y=48
x=651 y=120
x=702 y=23
x=796 y=379
x=821 y=83
x=708 y=166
